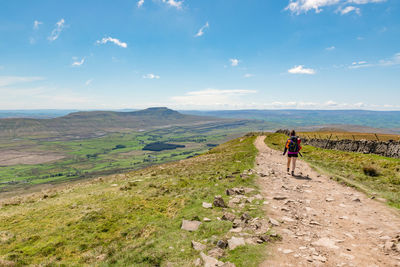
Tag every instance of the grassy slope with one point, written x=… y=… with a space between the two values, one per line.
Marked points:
x=348 y=167
x=132 y=219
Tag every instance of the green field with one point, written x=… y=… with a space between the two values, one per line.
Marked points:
x=375 y=175
x=113 y=153
x=132 y=219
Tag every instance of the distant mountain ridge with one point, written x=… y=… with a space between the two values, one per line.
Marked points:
x=95 y=123
x=302 y=118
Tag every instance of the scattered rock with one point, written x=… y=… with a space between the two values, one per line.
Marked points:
x=236 y=223
x=329 y=199
x=389 y=245
x=248 y=190
x=280 y=197
x=234 y=201
x=325 y=242
x=235 y=242
x=245 y=217
x=274 y=222
x=319 y=258
x=197 y=262
x=101 y=257
x=219 y=202
x=210 y=261
x=190 y=225
x=356 y=199
x=222 y=244
x=314 y=223
x=236 y=230
x=287 y=251
x=235 y=191
x=198 y=246
x=228 y=216
x=216 y=253
x=207 y=205
x=228 y=264
x=287 y=219
x=207 y=219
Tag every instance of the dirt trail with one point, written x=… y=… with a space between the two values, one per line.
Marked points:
x=323 y=223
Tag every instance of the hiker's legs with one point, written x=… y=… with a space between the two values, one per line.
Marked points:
x=294 y=163
x=288 y=163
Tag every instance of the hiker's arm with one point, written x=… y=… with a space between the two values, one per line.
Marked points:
x=284 y=152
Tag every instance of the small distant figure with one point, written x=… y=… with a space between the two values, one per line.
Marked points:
x=293 y=148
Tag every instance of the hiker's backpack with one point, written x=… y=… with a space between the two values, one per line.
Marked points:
x=294 y=144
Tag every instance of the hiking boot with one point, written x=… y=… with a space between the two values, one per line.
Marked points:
x=288 y=170
x=292 y=173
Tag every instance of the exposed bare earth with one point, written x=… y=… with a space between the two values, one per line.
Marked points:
x=13 y=157
x=322 y=222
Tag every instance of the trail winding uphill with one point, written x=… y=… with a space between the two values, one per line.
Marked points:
x=324 y=223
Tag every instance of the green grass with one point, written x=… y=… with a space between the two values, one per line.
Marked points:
x=348 y=167
x=131 y=219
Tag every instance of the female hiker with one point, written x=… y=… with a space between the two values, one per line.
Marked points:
x=293 y=148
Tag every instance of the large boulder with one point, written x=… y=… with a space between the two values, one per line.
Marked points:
x=190 y=225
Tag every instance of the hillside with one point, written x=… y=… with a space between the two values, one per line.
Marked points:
x=135 y=219
x=98 y=123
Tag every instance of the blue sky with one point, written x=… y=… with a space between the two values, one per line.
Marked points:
x=200 y=54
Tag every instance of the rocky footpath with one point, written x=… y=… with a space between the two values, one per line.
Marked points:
x=324 y=223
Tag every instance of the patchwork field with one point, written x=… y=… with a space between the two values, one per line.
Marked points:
x=28 y=161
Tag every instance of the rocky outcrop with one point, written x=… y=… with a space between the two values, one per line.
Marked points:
x=387 y=149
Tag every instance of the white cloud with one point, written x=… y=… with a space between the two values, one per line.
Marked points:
x=78 y=63
x=395 y=60
x=174 y=3
x=248 y=75
x=201 y=31
x=140 y=3
x=303 y=6
x=212 y=97
x=88 y=82
x=112 y=40
x=301 y=70
x=331 y=48
x=151 y=76
x=349 y=9
x=36 y=24
x=11 y=80
x=60 y=25
x=234 y=62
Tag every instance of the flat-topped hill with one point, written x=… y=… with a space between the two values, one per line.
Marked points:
x=92 y=123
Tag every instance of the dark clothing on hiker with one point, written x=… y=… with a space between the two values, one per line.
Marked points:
x=293 y=146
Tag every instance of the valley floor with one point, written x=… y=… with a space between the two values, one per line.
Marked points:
x=322 y=222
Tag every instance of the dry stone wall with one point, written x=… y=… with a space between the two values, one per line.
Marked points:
x=387 y=149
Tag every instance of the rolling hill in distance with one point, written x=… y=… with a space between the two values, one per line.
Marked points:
x=25 y=122
x=97 y=123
